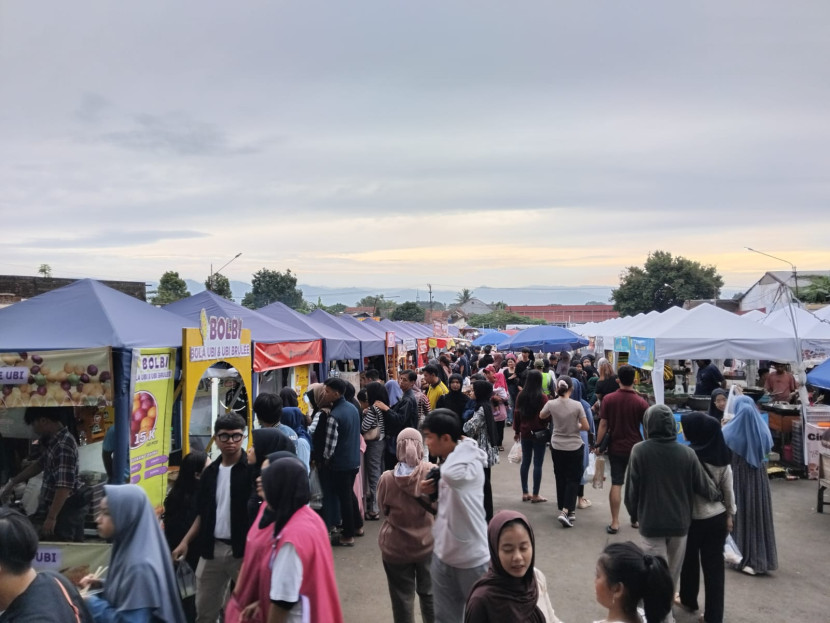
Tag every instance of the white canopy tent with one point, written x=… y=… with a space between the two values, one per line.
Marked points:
x=812 y=332
x=707 y=332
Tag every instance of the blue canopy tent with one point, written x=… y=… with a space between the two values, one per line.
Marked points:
x=820 y=375
x=338 y=344
x=374 y=339
x=88 y=314
x=547 y=338
x=490 y=339
x=370 y=345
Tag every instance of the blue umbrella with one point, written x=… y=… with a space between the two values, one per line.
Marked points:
x=492 y=339
x=820 y=376
x=547 y=338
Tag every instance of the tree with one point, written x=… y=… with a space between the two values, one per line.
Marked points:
x=381 y=306
x=269 y=286
x=500 y=319
x=818 y=291
x=219 y=284
x=464 y=296
x=436 y=305
x=45 y=271
x=409 y=311
x=664 y=281
x=171 y=288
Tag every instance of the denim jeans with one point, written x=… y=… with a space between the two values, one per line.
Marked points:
x=450 y=588
x=373 y=462
x=532 y=449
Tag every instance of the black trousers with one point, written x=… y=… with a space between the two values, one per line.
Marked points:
x=704 y=549
x=488 y=495
x=567 y=471
x=343 y=484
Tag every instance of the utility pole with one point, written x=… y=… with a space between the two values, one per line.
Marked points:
x=429 y=285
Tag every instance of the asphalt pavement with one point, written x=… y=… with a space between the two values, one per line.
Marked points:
x=799 y=591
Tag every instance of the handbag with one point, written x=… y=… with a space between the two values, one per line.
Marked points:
x=372 y=434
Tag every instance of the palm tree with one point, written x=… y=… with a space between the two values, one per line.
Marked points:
x=465 y=296
x=818 y=291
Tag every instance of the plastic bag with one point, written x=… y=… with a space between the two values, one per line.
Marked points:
x=515 y=455
x=731 y=553
x=315 y=490
x=599 y=472
x=185 y=579
x=591 y=469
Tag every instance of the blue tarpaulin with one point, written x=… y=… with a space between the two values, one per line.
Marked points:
x=547 y=338
x=338 y=344
x=493 y=339
x=820 y=375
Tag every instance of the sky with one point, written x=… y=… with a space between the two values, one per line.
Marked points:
x=391 y=144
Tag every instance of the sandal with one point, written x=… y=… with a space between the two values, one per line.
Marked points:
x=611 y=530
x=584 y=503
x=526 y=497
x=373 y=516
x=538 y=500
x=339 y=543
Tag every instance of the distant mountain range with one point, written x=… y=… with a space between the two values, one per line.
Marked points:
x=529 y=295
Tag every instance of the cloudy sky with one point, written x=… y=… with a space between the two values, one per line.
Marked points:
x=391 y=144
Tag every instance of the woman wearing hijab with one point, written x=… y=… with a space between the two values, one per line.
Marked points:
x=297 y=578
x=266 y=441
x=294 y=419
x=512 y=589
x=748 y=436
x=711 y=521
x=455 y=400
x=141 y=585
x=405 y=538
x=482 y=428
x=244 y=603
x=717 y=403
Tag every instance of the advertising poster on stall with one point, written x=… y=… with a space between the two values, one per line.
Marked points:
x=622 y=344
x=301 y=382
x=641 y=354
x=151 y=383
x=56 y=378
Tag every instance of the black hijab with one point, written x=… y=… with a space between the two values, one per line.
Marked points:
x=483 y=392
x=505 y=597
x=286 y=489
x=706 y=438
x=455 y=401
x=713 y=410
x=268 y=441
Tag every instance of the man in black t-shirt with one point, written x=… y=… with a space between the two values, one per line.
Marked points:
x=523 y=365
x=25 y=595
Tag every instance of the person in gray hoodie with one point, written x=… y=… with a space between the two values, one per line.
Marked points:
x=660 y=485
x=461 y=554
x=405 y=537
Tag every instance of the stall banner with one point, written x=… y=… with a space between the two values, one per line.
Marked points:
x=390 y=339
x=410 y=343
x=423 y=349
x=73 y=560
x=641 y=354
x=817 y=441
x=814 y=352
x=221 y=338
x=286 y=354
x=440 y=329
x=622 y=344
x=151 y=385
x=57 y=378
x=235 y=351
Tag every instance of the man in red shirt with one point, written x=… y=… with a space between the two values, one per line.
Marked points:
x=621 y=412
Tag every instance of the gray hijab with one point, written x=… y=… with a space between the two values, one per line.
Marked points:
x=140 y=571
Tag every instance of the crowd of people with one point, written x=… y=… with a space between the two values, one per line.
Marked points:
x=258 y=528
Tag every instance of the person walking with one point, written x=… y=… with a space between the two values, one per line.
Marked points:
x=660 y=485
x=141 y=586
x=750 y=440
x=566 y=447
x=711 y=521
x=373 y=428
x=460 y=554
x=621 y=414
x=533 y=433
x=405 y=538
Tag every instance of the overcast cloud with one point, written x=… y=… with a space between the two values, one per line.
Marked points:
x=394 y=144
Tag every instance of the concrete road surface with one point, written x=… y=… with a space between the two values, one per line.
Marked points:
x=799 y=591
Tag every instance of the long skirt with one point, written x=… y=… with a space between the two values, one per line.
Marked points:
x=753 y=531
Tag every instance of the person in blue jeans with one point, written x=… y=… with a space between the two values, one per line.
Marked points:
x=533 y=433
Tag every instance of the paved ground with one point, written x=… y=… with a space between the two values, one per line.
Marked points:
x=798 y=591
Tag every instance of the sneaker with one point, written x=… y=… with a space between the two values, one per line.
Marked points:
x=565 y=521
x=572 y=519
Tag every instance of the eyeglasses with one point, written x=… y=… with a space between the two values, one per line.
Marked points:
x=226 y=437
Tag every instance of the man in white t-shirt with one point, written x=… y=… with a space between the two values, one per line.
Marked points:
x=461 y=555
x=221 y=526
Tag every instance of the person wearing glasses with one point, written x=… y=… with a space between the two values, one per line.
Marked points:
x=221 y=525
